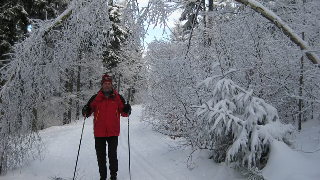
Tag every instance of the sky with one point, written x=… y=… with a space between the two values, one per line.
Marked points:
x=157 y=32
x=154 y=32
x=158 y=157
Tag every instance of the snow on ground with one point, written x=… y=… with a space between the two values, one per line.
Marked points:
x=301 y=162
x=154 y=157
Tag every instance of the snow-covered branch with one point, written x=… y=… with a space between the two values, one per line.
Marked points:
x=258 y=7
x=59 y=19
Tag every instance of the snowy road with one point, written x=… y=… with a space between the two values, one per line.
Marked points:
x=152 y=157
x=146 y=150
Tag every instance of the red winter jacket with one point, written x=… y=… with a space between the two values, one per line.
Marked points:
x=106 y=121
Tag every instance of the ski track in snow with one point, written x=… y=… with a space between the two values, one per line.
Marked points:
x=140 y=164
x=152 y=157
x=149 y=154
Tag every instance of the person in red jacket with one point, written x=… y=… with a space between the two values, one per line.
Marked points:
x=107 y=106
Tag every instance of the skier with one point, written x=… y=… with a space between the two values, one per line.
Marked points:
x=107 y=106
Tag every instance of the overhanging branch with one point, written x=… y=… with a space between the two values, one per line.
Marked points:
x=265 y=12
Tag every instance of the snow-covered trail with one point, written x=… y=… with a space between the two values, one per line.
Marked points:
x=152 y=157
x=147 y=149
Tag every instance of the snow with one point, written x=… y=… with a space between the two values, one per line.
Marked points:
x=294 y=164
x=156 y=157
x=288 y=164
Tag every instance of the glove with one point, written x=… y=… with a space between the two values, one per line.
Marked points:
x=86 y=110
x=126 y=109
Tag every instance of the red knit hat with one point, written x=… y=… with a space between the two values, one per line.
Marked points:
x=106 y=78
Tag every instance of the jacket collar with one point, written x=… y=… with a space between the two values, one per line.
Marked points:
x=112 y=94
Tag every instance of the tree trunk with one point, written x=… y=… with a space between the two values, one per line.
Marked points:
x=78 y=95
x=118 y=88
x=301 y=88
x=35 y=120
x=69 y=89
x=70 y=99
x=301 y=93
x=204 y=10
x=210 y=20
x=210 y=5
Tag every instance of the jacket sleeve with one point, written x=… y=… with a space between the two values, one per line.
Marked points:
x=89 y=103
x=122 y=99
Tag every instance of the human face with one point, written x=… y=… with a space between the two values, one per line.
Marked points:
x=107 y=86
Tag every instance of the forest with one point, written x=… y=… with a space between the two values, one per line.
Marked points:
x=234 y=75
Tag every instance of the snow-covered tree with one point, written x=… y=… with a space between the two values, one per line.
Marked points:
x=266 y=60
x=118 y=35
x=236 y=125
x=15 y=17
x=122 y=57
x=42 y=69
x=58 y=67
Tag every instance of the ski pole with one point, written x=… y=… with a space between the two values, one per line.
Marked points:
x=75 y=169
x=129 y=93
x=129 y=147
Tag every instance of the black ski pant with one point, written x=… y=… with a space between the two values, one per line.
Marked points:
x=100 y=145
